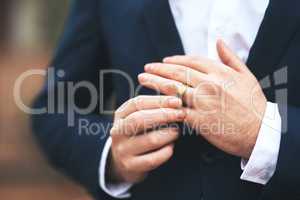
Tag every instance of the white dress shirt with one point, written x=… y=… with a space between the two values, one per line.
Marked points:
x=200 y=24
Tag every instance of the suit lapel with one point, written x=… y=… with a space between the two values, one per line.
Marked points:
x=278 y=27
x=161 y=28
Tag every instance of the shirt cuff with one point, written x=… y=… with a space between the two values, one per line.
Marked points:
x=262 y=163
x=120 y=190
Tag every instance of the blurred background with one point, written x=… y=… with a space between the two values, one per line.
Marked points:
x=29 y=30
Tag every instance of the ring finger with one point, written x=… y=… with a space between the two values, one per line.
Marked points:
x=166 y=86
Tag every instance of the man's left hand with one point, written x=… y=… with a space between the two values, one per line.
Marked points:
x=224 y=101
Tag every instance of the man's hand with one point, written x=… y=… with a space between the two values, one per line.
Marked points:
x=138 y=144
x=225 y=102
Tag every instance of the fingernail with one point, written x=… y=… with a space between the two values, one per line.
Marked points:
x=113 y=130
x=142 y=77
x=166 y=59
x=175 y=102
x=147 y=67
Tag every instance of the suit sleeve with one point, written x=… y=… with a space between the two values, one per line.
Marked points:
x=80 y=55
x=286 y=180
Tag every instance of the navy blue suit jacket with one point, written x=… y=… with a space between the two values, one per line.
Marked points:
x=125 y=35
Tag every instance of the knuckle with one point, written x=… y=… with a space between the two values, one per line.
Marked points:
x=169 y=112
x=162 y=113
x=120 y=149
x=172 y=115
x=138 y=102
x=126 y=164
x=171 y=88
x=123 y=107
x=134 y=100
x=116 y=129
x=118 y=113
x=118 y=124
x=131 y=102
x=132 y=125
x=163 y=101
x=113 y=132
x=135 y=119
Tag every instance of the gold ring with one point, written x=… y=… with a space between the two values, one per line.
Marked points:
x=181 y=90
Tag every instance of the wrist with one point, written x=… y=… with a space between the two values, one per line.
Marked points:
x=113 y=174
x=253 y=129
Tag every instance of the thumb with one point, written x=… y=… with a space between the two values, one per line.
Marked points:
x=228 y=57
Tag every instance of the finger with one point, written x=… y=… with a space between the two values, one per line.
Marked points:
x=153 y=160
x=144 y=120
x=179 y=73
x=146 y=103
x=200 y=64
x=229 y=58
x=165 y=86
x=193 y=118
x=151 y=141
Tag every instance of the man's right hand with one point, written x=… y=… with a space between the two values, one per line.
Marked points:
x=137 y=147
